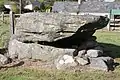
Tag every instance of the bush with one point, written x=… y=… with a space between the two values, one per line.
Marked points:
x=36 y=8
x=14 y=7
x=3 y=9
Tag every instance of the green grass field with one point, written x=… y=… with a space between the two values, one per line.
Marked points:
x=109 y=40
x=4 y=31
x=35 y=74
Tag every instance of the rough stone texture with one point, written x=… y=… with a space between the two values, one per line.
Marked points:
x=94 y=53
x=53 y=26
x=81 y=53
x=3 y=59
x=109 y=61
x=64 y=62
x=98 y=64
x=35 y=51
x=102 y=63
x=81 y=61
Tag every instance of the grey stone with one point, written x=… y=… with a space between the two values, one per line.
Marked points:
x=35 y=51
x=18 y=49
x=81 y=53
x=94 y=53
x=102 y=63
x=64 y=62
x=109 y=61
x=3 y=59
x=53 y=26
x=81 y=61
x=98 y=64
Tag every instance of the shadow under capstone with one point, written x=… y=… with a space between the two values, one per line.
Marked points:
x=111 y=50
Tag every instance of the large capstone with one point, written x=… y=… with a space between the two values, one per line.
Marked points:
x=53 y=26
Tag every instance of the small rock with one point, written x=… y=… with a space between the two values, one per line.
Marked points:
x=94 y=53
x=81 y=53
x=109 y=61
x=68 y=59
x=98 y=64
x=3 y=59
x=81 y=61
x=65 y=62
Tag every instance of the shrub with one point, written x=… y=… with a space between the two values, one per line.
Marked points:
x=14 y=7
x=36 y=8
x=3 y=9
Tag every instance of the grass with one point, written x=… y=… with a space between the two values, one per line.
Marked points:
x=4 y=31
x=35 y=74
x=109 y=40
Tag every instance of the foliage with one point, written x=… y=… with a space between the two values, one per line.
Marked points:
x=111 y=42
x=47 y=4
x=2 y=7
x=14 y=7
x=36 y=8
x=1 y=2
x=4 y=32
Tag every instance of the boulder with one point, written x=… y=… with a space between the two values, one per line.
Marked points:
x=81 y=61
x=98 y=64
x=81 y=53
x=35 y=51
x=102 y=63
x=3 y=59
x=54 y=26
x=64 y=62
x=94 y=53
x=109 y=61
